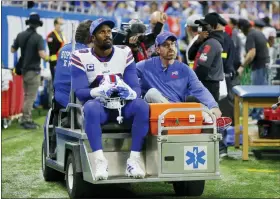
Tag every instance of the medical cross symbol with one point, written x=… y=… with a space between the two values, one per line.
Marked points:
x=195 y=157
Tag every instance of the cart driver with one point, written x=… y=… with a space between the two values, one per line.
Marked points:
x=164 y=80
x=89 y=67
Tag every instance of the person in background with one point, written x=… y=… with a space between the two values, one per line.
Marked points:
x=259 y=24
x=62 y=78
x=55 y=40
x=257 y=57
x=270 y=35
x=233 y=23
x=32 y=51
x=208 y=63
x=156 y=18
x=192 y=31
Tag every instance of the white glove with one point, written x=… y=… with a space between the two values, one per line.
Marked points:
x=102 y=91
x=125 y=92
x=105 y=88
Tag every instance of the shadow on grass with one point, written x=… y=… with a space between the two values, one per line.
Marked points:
x=118 y=191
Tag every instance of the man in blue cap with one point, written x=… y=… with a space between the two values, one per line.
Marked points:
x=99 y=72
x=164 y=79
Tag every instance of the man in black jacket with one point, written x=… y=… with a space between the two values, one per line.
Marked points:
x=209 y=64
x=32 y=50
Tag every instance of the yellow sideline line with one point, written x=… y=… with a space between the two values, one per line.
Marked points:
x=263 y=170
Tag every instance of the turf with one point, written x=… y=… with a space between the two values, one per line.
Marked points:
x=22 y=177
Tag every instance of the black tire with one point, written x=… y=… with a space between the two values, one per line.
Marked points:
x=79 y=187
x=189 y=188
x=49 y=173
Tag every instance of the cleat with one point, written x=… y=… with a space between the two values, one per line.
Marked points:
x=133 y=168
x=101 y=169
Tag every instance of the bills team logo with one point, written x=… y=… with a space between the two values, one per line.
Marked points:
x=174 y=74
x=90 y=67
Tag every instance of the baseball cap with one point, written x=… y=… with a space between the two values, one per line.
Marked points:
x=212 y=19
x=259 y=23
x=243 y=23
x=191 y=19
x=162 y=37
x=221 y=20
x=99 y=22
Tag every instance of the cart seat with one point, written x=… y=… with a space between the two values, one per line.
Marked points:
x=116 y=128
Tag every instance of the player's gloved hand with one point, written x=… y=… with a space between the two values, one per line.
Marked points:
x=103 y=91
x=125 y=92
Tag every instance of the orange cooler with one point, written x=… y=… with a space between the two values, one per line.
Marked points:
x=184 y=118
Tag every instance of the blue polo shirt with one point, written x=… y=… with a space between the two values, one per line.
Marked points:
x=176 y=82
x=62 y=79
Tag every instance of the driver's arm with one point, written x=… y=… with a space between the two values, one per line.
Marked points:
x=130 y=75
x=196 y=89
x=80 y=83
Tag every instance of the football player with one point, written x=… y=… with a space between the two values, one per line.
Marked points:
x=89 y=67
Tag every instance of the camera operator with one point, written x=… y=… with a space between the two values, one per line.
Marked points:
x=138 y=38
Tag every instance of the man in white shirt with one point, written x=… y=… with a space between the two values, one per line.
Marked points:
x=192 y=31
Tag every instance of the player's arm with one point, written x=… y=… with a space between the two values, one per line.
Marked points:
x=197 y=90
x=80 y=83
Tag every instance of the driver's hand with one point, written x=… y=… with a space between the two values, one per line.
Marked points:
x=216 y=111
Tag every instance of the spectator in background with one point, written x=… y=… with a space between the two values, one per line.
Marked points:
x=243 y=10
x=270 y=35
x=56 y=40
x=257 y=58
x=192 y=32
x=153 y=7
x=121 y=10
x=32 y=50
x=174 y=10
x=156 y=19
x=233 y=23
x=259 y=24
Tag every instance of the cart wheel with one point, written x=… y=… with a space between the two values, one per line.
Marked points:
x=49 y=173
x=189 y=188
x=76 y=186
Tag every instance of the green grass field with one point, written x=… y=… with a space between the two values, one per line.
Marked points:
x=22 y=177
